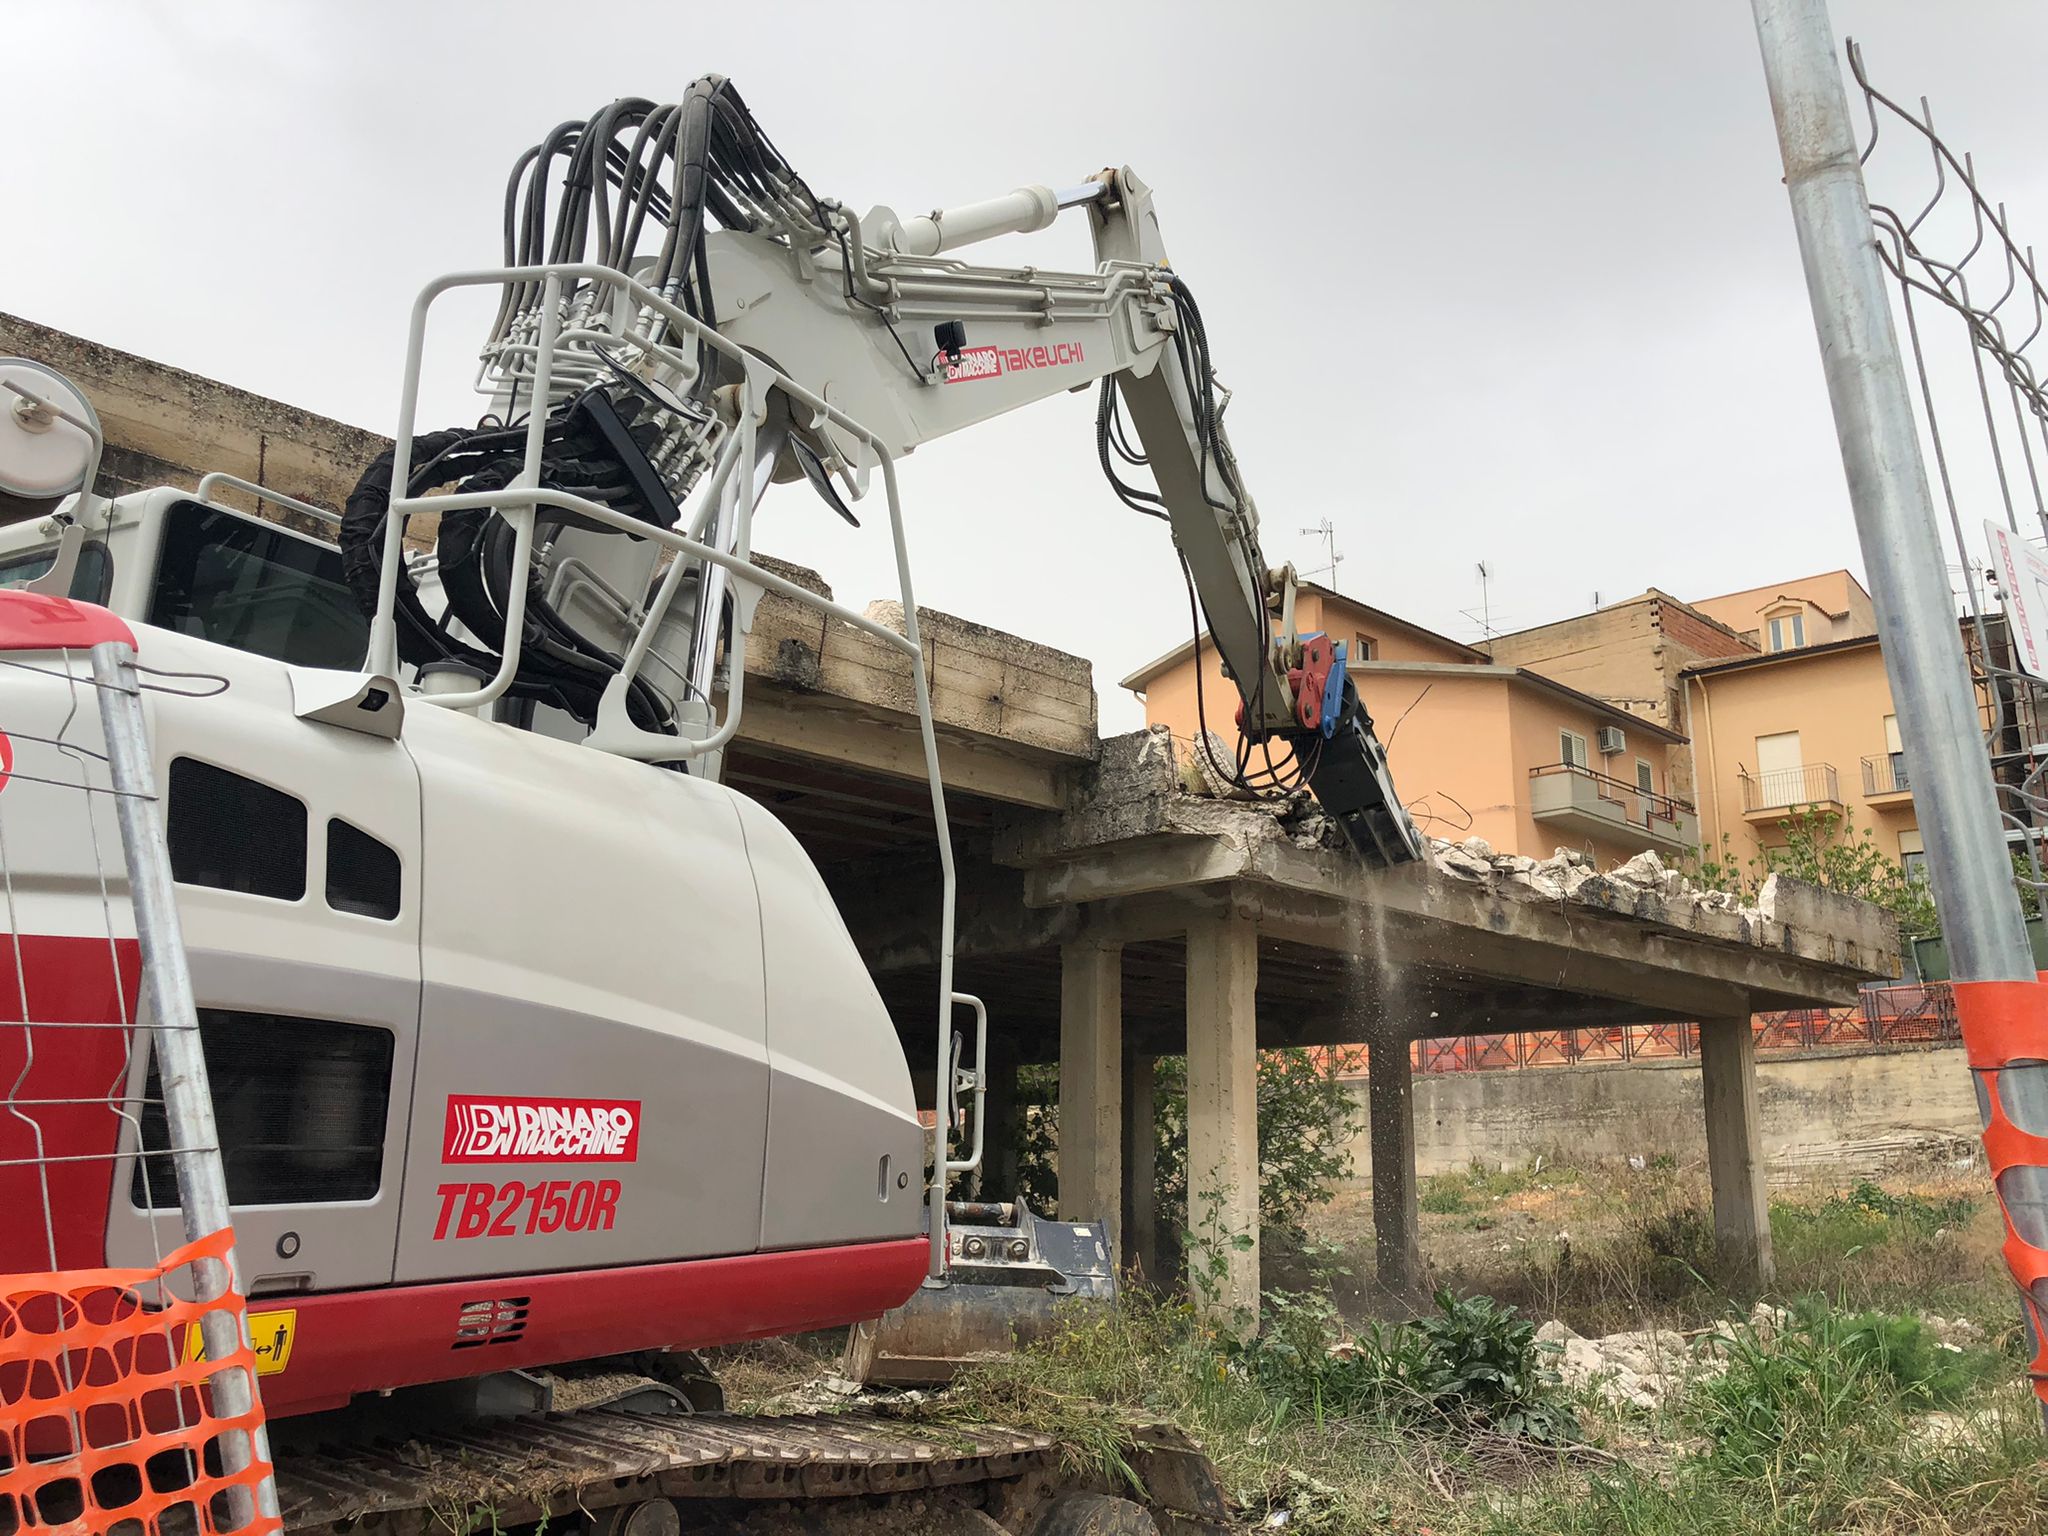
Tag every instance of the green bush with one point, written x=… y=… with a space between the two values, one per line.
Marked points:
x=1471 y=1362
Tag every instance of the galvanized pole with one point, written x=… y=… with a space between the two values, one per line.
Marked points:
x=1946 y=759
x=181 y=1063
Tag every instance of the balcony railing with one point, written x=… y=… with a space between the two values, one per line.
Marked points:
x=1885 y=774
x=1779 y=789
x=1593 y=802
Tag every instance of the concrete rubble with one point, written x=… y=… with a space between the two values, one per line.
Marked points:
x=1570 y=874
x=1646 y=1367
x=1150 y=788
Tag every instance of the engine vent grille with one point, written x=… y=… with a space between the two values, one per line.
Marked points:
x=496 y=1321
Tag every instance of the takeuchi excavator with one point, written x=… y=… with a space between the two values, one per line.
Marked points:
x=531 y=1043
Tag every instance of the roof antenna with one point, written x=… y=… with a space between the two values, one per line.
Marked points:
x=1332 y=558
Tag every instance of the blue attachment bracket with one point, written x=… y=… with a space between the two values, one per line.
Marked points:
x=1333 y=690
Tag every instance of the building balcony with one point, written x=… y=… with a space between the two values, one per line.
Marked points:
x=1884 y=780
x=1593 y=805
x=1781 y=792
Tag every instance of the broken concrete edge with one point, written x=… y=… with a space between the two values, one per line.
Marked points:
x=1136 y=794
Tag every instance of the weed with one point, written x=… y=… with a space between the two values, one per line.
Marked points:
x=1442 y=1197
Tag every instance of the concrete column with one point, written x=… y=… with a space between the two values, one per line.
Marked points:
x=1141 y=1187
x=1735 y=1161
x=1223 y=1119
x=1396 y=1220
x=1091 y=1084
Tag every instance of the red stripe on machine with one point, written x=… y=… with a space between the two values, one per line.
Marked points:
x=401 y=1336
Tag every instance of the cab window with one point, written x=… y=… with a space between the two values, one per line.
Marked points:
x=256 y=587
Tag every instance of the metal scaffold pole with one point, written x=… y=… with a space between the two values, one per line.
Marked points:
x=1998 y=998
x=1939 y=728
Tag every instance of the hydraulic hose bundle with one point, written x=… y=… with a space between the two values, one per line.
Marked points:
x=592 y=449
x=633 y=174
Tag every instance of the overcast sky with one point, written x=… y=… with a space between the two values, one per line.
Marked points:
x=1509 y=282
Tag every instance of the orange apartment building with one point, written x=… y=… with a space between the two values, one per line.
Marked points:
x=1649 y=723
x=1633 y=654
x=1813 y=610
x=1799 y=729
x=1477 y=748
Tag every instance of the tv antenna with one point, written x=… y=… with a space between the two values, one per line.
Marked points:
x=1327 y=532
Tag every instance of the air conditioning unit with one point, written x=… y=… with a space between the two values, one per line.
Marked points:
x=1612 y=740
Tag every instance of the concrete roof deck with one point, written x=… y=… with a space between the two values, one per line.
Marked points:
x=1459 y=945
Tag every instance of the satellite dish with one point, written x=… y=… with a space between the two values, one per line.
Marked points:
x=43 y=457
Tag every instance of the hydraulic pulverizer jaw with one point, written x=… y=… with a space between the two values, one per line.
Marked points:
x=1331 y=737
x=1347 y=772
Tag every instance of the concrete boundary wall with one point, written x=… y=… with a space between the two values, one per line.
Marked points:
x=1646 y=1108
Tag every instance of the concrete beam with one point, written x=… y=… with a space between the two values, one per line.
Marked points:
x=165 y=426
x=891 y=906
x=846 y=732
x=1735 y=1158
x=1223 y=1120
x=1422 y=917
x=1011 y=714
x=1396 y=1216
x=1091 y=1083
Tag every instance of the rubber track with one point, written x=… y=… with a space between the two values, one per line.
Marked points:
x=515 y=1472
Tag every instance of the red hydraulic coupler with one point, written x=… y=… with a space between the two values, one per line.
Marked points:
x=2005 y=1036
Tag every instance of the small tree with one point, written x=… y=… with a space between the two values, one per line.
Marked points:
x=1826 y=848
x=1307 y=1119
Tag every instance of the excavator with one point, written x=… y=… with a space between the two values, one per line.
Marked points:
x=534 y=1048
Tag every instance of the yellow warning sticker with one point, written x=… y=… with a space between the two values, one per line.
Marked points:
x=270 y=1335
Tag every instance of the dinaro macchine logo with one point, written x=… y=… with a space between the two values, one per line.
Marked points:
x=994 y=362
x=496 y=1129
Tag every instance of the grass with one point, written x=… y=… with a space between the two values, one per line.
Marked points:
x=1607 y=1247
x=1827 y=1427
x=1276 y=1448
x=1854 y=1418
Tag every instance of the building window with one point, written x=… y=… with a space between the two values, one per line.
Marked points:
x=1780 y=770
x=1646 y=776
x=1571 y=748
x=1788 y=632
x=1913 y=856
x=1363 y=648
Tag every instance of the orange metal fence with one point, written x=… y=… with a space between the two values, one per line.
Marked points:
x=1899 y=1015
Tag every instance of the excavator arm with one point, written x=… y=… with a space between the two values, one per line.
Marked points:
x=904 y=336
x=875 y=315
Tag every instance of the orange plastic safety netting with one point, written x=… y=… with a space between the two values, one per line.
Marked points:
x=106 y=1424
x=2005 y=1031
